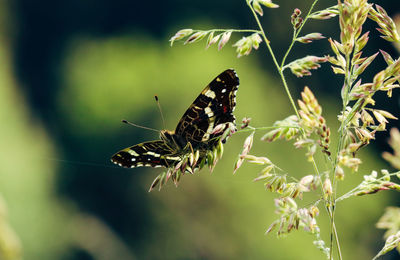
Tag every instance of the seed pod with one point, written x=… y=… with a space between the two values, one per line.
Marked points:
x=224 y=39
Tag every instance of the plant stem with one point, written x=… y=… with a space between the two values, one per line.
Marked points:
x=290 y=48
x=358 y=188
x=231 y=30
x=265 y=128
x=348 y=81
x=330 y=211
x=279 y=68
x=337 y=240
x=296 y=33
x=333 y=235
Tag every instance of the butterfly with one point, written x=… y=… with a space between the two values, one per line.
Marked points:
x=195 y=132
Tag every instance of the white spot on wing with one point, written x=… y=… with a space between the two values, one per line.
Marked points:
x=209 y=112
x=153 y=154
x=209 y=93
x=132 y=152
x=223 y=91
x=172 y=157
x=209 y=130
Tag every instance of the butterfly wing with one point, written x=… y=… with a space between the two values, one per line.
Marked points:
x=153 y=153
x=212 y=107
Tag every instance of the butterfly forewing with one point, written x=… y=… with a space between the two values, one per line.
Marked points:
x=153 y=153
x=212 y=107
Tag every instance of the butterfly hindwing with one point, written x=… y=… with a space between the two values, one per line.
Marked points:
x=153 y=153
x=212 y=107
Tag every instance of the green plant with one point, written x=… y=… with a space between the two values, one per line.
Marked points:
x=307 y=128
x=10 y=245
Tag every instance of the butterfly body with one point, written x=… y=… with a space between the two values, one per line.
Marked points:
x=194 y=132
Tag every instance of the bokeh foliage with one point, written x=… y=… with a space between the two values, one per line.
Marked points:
x=66 y=201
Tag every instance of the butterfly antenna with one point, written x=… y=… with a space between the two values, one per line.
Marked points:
x=139 y=126
x=159 y=108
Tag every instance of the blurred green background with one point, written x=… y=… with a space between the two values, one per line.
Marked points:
x=71 y=70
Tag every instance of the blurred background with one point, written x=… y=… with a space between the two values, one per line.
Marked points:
x=70 y=70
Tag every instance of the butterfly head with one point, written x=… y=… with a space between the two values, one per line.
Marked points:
x=172 y=139
x=166 y=135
